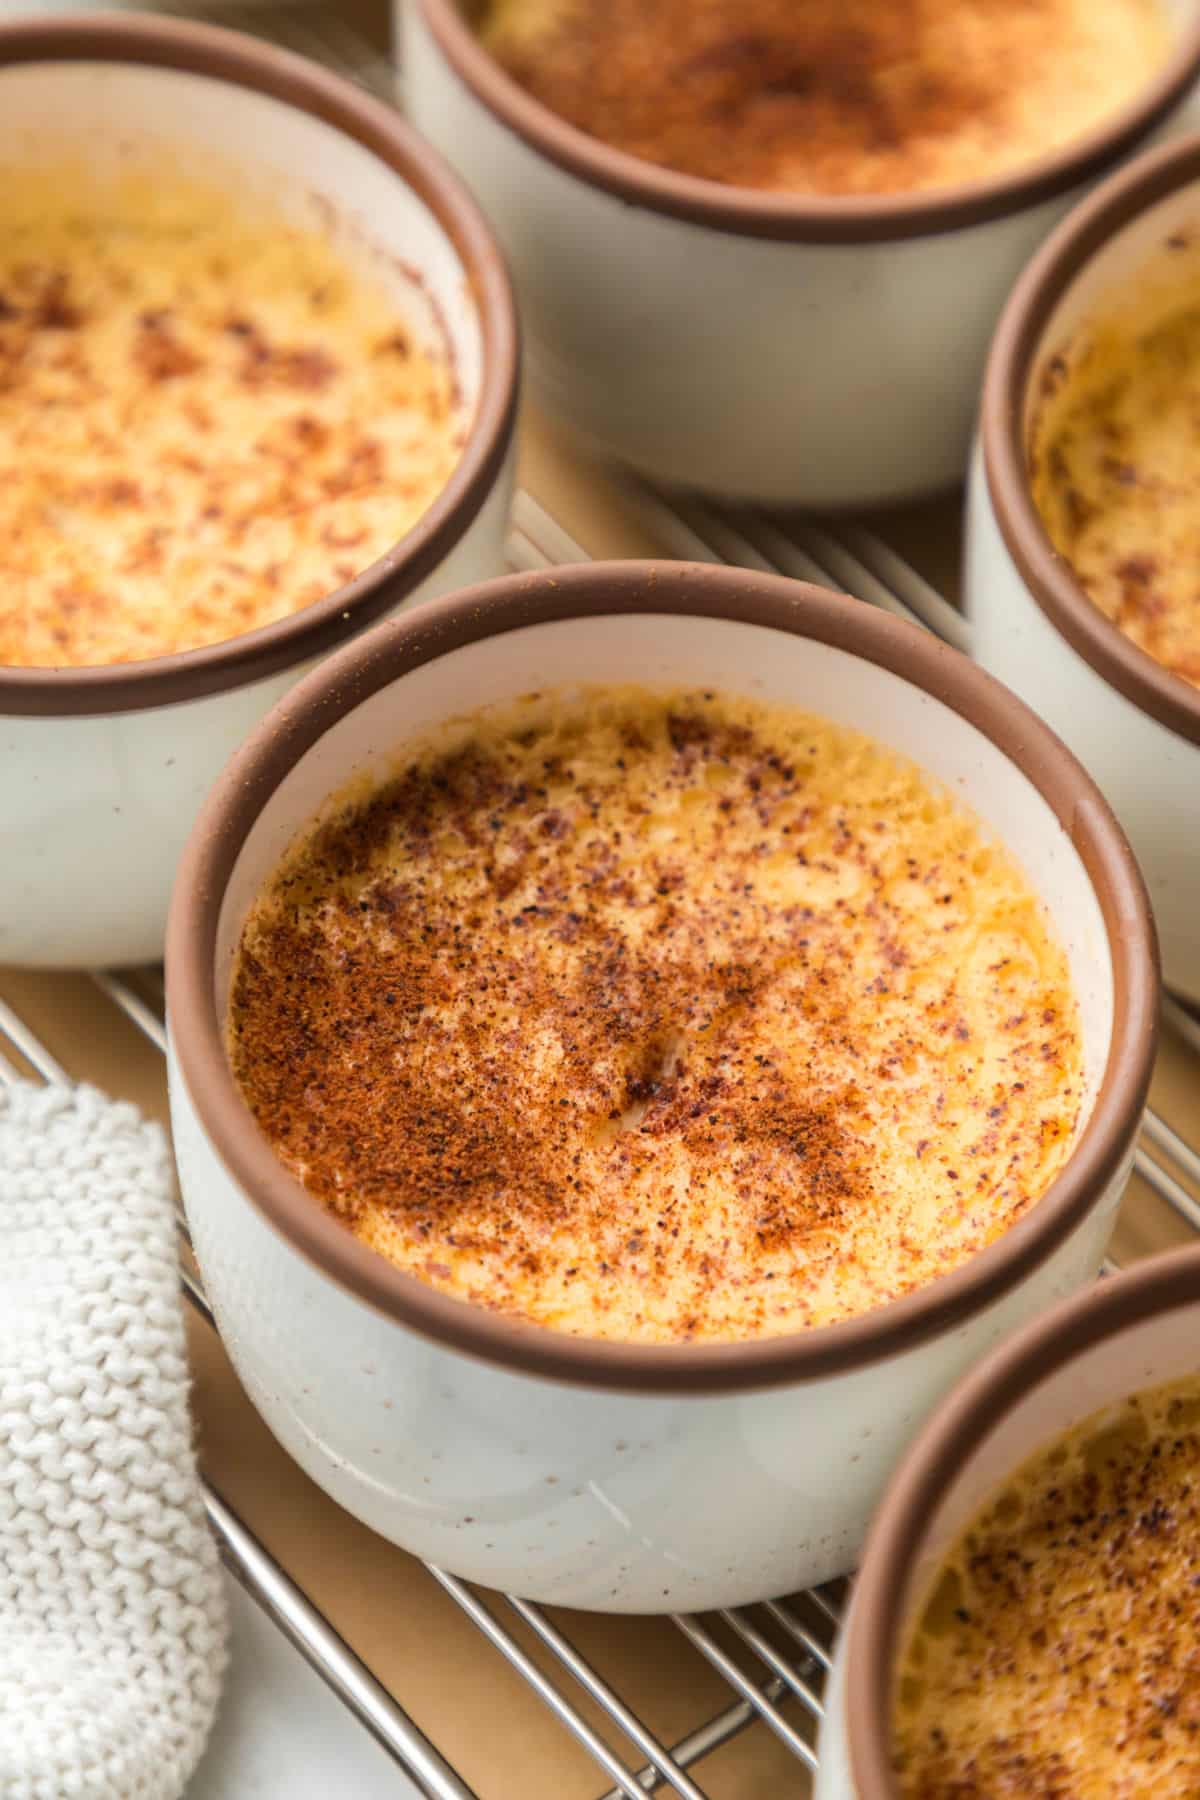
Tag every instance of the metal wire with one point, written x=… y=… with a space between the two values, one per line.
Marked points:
x=1165 y=1137
x=700 y=1743
x=326 y=1651
x=1167 y=1188
x=1182 y=1019
x=303 y=1624
x=134 y=1007
x=744 y=1628
x=825 y=1604
x=865 y=566
x=702 y=1640
x=625 y=1778
x=694 y=529
x=785 y=1618
x=661 y=1761
x=14 y=1028
x=194 y=1290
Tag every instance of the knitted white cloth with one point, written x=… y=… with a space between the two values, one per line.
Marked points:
x=112 y=1617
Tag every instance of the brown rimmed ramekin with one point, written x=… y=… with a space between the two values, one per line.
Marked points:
x=105 y=766
x=1133 y=723
x=1137 y=1330
x=793 y=349
x=601 y=1474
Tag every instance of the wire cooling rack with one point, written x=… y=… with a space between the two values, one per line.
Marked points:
x=771 y=1659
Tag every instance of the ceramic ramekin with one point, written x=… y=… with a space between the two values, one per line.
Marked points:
x=774 y=348
x=1133 y=724
x=628 y=1478
x=104 y=768
x=1138 y=1330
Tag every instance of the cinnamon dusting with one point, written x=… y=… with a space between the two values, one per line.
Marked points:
x=1115 y=473
x=208 y=419
x=658 y=1017
x=823 y=98
x=1056 y=1656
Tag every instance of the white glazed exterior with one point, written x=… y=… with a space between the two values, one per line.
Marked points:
x=1158 y=1349
x=1149 y=774
x=621 y=1502
x=95 y=807
x=791 y=372
x=568 y=1492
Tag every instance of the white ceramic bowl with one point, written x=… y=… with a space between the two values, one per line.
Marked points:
x=1134 y=725
x=1138 y=1330
x=104 y=768
x=628 y=1478
x=774 y=348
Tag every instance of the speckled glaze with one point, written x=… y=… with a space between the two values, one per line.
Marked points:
x=104 y=769
x=1139 y=1330
x=602 y=1475
x=771 y=348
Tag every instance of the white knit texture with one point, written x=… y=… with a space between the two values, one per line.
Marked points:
x=112 y=1615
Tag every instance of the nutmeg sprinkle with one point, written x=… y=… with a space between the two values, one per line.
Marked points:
x=823 y=98
x=1113 y=457
x=1057 y=1656
x=208 y=418
x=658 y=1017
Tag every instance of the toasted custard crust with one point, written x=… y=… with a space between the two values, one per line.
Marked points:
x=659 y=1017
x=1115 y=460
x=207 y=421
x=1057 y=1655
x=821 y=98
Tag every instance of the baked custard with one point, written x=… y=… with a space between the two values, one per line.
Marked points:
x=1115 y=464
x=208 y=419
x=891 y=96
x=658 y=1017
x=1057 y=1653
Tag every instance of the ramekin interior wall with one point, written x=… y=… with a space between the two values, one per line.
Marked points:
x=1147 y=1353
x=122 y=116
x=1116 y=272
x=670 y=650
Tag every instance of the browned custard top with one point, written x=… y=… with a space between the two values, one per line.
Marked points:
x=1058 y=1656
x=1115 y=456
x=659 y=1017
x=208 y=418
x=821 y=97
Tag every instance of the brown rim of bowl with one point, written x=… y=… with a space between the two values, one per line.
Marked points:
x=1049 y=578
x=853 y=219
x=393 y=649
x=1160 y=1284
x=233 y=57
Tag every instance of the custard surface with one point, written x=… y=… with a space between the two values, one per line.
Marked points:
x=890 y=96
x=1114 y=455
x=659 y=1017
x=1057 y=1653
x=207 y=419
